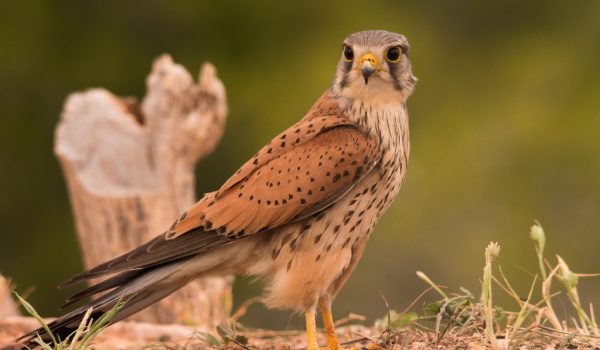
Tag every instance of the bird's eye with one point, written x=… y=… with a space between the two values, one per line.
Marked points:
x=393 y=54
x=348 y=54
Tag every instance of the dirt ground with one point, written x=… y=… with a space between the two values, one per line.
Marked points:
x=137 y=335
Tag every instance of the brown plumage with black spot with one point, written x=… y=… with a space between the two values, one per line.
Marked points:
x=298 y=213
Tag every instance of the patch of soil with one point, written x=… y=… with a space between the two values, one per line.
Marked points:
x=138 y=335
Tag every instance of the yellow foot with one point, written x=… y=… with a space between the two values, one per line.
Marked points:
x=370 y=346
x=332 y=341
x=311 y=330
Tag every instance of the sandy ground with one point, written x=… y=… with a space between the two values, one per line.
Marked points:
x=138 y=335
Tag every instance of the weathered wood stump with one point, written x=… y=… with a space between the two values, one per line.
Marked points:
x=129 y=169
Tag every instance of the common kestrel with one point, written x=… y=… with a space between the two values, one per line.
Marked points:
x=297 y=214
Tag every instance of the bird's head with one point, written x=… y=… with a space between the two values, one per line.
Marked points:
x=373 y=65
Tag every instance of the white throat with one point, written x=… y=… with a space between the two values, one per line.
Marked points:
x=386 y=122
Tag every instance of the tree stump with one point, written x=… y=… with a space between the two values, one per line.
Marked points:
x=129 y=169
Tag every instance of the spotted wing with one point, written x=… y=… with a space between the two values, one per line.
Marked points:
x=300 y=172
x=297 y=183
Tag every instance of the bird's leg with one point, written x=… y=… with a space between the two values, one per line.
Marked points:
x=332 y=341
x=311 y=329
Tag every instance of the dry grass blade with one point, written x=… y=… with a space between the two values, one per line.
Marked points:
x=436 y=287
x=491 y=252
x=83 y=326
x=81 y=338
x=412 y=304
x=569 y=280
x=546 y=295
x=31 y=310
x=242 y=309
x=524 y=312
x=350 y=318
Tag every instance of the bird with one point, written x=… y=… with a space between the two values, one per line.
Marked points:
x=297 y=214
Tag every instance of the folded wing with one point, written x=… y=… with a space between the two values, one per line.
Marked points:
x=299 y=173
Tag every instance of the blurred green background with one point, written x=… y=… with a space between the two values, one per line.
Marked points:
x=505 y=125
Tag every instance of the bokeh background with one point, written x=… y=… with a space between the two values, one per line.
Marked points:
x=505 y=126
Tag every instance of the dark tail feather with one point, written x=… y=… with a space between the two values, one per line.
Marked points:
x=137 y=291
x=105 y=285
x=158 y=251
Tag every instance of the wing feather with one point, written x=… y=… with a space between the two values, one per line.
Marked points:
x=298 y=183
x=299 y=173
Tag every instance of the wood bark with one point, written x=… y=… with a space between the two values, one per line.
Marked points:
x=129 y=168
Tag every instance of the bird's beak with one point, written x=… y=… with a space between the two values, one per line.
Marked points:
x=368 y=65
